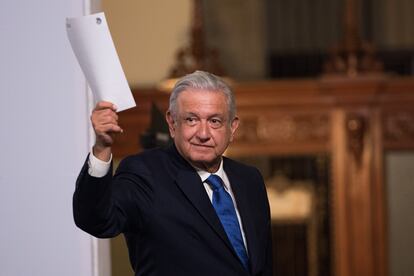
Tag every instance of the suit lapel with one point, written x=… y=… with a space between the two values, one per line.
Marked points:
x=190 y=184
x=240 y=191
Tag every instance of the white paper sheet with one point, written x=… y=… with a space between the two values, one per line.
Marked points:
x=93 y=46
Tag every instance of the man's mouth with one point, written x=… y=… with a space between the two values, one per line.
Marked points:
x=203 y=146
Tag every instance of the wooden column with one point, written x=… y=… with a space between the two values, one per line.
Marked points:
x=358 y=212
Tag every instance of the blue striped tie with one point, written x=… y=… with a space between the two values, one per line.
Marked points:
x=223 y=204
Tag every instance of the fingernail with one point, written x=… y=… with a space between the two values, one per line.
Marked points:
x=114 y=107
x=122 y=131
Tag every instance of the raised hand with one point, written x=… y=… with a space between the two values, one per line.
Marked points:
x=105 y=124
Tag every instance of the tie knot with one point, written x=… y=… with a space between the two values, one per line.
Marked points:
x=215 y=182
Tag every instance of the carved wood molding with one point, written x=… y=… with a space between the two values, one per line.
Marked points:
x=398 y=127
x=285 y=128
x=356 y=127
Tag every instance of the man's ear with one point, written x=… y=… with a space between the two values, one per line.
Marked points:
x=171 y=123
x=233 y=127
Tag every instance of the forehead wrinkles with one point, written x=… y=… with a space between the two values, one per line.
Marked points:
x=200 y=102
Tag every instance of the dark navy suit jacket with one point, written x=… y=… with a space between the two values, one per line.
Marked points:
x=157 y=200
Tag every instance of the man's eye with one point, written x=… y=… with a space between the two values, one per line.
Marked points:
x=191 y=120
x=216 y=123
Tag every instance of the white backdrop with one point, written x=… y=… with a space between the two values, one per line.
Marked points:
x=43 y=140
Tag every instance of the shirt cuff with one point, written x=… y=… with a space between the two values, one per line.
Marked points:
x=97 y=167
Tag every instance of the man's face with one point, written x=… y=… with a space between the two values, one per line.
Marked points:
x=201 y=128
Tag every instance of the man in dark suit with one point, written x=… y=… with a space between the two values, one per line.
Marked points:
x=186 y=209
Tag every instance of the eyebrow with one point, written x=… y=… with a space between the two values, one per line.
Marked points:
x=210 y=116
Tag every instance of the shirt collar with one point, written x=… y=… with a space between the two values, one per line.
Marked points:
x=220 y=172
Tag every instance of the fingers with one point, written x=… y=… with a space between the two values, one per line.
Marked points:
x=105 y=105
x=104 y=116
x=106 y=128
x=105 y=123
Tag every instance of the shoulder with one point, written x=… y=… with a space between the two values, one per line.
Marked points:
x=245 y=173
x=146 y=155
x=241 y=168
x=143 y=160
x=158 y=159
x=249 y=179
x=251 y=182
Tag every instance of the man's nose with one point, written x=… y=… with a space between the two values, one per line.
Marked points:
x=203 y=132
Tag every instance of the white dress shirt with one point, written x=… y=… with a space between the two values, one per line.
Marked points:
x=99 y=168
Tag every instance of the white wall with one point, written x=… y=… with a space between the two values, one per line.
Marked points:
x=43 y=140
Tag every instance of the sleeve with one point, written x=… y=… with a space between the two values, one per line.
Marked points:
x=97 y=167
x=109 y=205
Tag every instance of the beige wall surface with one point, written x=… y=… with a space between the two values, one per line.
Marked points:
x=236 y=28
x=400 y=188
x=147 y=35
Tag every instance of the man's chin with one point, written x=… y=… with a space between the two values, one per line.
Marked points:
x=204 y=161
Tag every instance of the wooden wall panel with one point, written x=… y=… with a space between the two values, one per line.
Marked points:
x=354 y=120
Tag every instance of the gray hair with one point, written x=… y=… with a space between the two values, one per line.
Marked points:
x=200 y=80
